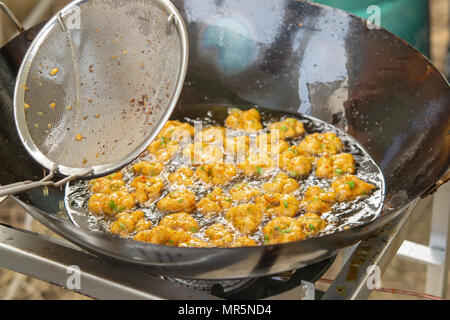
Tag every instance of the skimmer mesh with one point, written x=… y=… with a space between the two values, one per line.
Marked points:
x=94 y=95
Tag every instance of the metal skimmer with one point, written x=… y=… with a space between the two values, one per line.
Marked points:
x=97 y=85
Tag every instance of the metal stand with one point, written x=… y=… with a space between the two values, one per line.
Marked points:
x=358 y=276
x=60 y=262
x=436 y=255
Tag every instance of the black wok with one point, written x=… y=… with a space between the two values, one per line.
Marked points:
x=290 y=56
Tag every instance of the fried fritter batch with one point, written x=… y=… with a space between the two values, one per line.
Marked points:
x=206 y=201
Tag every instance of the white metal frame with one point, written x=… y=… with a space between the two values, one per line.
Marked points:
x=436 y=256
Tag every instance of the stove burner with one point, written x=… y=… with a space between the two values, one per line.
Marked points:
x=211 y=285
x=258 y=288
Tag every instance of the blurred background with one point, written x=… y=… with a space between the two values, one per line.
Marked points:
x=425 y=24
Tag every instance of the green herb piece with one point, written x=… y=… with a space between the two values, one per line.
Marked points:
x=351 y=184
x=122 y=226
x=286 y=204
x=288 y=230
x=284 y=128
x=180 y=200
x=112 y=205
x=259 y=170
x=164 y=141
x=311 y=227
x=194 y=229
x=266 y=237
x=338 y=171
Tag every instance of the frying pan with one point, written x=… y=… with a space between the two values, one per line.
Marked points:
x=290 y=56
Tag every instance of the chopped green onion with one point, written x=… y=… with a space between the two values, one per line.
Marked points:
x=122 y=226
x=266 y=237
x=194 y=229
x=164 y=141
x=286 y=204
x=180 y=200
x=311 y=227
x=288 y=230
x=259 y=170
x=338 y=171
x=284 y=128
x=112 y=204
x=351 y=184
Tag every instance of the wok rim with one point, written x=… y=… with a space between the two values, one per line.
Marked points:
x=371 y=226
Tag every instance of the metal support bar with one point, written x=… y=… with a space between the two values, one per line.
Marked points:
x=420 y=253
x=54 y=261
x=437 y=254
x=436 y=282
x=372 y=256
